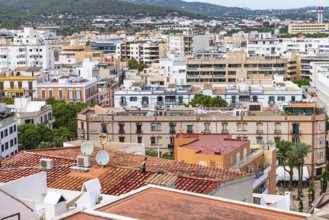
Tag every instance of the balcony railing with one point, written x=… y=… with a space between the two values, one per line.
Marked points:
x=170 y=146
x=259 y=131
x=139 y=131
x=277 y=131
x=189 y=131
x=207 y=131
x=224 y=131
x=172 y=131
x=296 y=132
x=121 y=131
x=145 y=104
x=123 y=103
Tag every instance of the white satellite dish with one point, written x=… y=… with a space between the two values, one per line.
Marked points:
x=87 y=148
x=102 y=158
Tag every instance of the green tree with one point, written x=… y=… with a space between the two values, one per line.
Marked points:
x=168 y=156
x=31 y=135
x=207 y=101
x=302 y=82
x=7 y=100
x=151 y=152
x=301 y=150
x=287 y=158
x=133 y=63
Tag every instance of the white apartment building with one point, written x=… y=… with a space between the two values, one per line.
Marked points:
x=175 y=68
x=37 y=112
x=8 y=133
x=28 y=48
x=186 y=45
x=262 y=93
x=153 y=96
x=322 y=84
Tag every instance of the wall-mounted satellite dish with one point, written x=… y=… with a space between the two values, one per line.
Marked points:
x=87 y=148
x=102 y=158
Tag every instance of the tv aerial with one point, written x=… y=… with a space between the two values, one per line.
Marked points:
x=87 y=148
x=102 y=139
x=102 y=158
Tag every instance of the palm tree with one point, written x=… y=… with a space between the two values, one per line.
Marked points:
x=301 y=150
x=286 y=158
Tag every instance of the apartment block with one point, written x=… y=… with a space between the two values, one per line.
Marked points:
x=143 y=52
x=298 y=122
x=236 y=66
x=306 y=70
x=307 y=28
x=71 y=88
x=8 y=133
x=21 y=82
x=186 y=45
x=35 y=112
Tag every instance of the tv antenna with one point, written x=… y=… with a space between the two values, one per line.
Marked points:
x=102 y=139
x=87 y=148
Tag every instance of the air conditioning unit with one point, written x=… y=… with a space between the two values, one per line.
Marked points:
x=83 y=161
x=46 y=164
x=99 y=199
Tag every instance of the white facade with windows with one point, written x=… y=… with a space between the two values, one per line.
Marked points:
x=322 y=87
x=8 y=136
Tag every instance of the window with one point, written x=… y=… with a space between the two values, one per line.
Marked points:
x=259 y=140
x=172 y=126
x=295 y=128
x=202 y=163
x=11 y=142
x=255 y=98
x=121 y=127
x=133 y=99
x=321 y=140
x=241 y=126
x=14 y=128
x=60 y=94
x=322 y=126
x=1 y=134
x=281 y=98
x=50 y=93
x=233 y=98
x=121 y=139
x=295 y=140
x=6 y=145
x=77 y=94
x=156 y=140
x=293 y=98
x=218 y=164
x=207 y=127
x=139 y=139
x=321 y=155
x=189 y=128
x=2 y=147
x=10 y=130
x=155 y=126
x=43 y=94
x=139 y=127
x=6 y=132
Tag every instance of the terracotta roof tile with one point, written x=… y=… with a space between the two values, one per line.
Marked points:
x=122 y=175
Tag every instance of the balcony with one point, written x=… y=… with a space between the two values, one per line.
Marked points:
x=259 y=131
x=172 y=131
x=207 y=131
x=123 y=104
x=271 y=103
x=170 y=146
x=139 y=131
x=121 y=131
x=277 y=131
x=296 y=132
x=145 y=104
x=159 y=103
x=189 y=131
x=224 y=131
x=261 y=177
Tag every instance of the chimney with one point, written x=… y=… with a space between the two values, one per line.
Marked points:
x=93 y=190
x=319 y=14
x=55 y=205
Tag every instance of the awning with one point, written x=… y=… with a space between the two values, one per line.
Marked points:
x=281 y=174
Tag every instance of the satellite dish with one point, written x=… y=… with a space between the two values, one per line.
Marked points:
x=102 y=158
x=87 y=147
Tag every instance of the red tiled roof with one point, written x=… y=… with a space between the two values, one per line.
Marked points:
x=27 y=163
x=153 y=203
x=212 y=143
x=122 y=175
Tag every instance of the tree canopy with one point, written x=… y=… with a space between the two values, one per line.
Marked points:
x=207 y=101
x=302 y=82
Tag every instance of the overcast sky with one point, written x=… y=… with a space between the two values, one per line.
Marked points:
x=267 y=4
